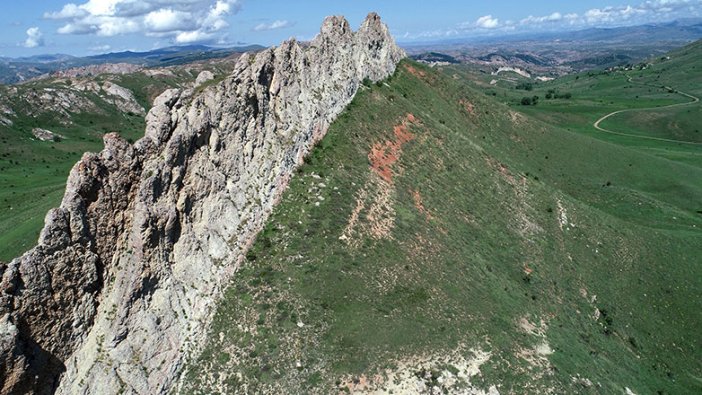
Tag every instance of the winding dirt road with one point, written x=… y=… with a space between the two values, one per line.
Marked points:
x=695 y=100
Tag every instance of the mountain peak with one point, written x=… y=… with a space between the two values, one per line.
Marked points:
x=373 y=19
x=335 y=25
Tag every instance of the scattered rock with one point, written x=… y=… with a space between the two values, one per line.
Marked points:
x=46 y=135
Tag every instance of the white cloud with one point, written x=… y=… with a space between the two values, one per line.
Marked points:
x=180 y=20
x=168 y=20
x=192 y=37
x=648 y=11
x=644 y=12
x=101 y=48
x=554 y=17
x=70 y=10
x=487 y=22
x=34 y=38
x=272 y=26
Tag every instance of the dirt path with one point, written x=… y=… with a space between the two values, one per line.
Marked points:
x=695 y=100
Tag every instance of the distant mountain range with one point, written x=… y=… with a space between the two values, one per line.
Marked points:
x=14 y=70
x=684 y=31
x=558 y=53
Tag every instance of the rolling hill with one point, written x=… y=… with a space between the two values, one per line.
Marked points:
x=653 y=102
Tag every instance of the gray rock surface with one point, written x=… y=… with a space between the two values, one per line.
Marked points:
x=122 y=98
x=203 y=77
x=46 y=135
x=127 y=272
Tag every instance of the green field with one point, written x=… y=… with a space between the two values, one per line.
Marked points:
x=571 y=257
x=643 y=93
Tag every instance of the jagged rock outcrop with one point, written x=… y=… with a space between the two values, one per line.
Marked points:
x=127 y=271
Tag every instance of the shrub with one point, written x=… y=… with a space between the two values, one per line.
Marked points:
x=526 y=86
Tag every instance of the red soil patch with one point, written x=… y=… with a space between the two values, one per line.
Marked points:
x=470 y=107
x=527 y=269
x=419 y=204
x=502 y=169
x=383 y=156
x=415 y=72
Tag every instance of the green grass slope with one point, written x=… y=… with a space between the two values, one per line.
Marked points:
x=656 y=99
x=439 y=241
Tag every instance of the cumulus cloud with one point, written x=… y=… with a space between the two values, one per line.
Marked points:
x=648 y=11
x=169 y=20
x=610 y=15
x=183 y=21
x=34 y=38
x=554 y=17
x=272 y=26
x=487 y=22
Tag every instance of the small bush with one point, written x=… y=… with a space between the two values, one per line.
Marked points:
x=530 y=101
x=525 y=86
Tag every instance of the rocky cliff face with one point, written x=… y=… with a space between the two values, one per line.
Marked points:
x=125 y=275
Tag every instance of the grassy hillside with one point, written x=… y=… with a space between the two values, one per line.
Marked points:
x=644 y=92
x=438 y=240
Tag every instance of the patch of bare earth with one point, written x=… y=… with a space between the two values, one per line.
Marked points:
x=415 y=72
x=436 y=374
x=468 y=106
x=374 y=212
x=419 y=205
x=517 y=118
x=537 y=364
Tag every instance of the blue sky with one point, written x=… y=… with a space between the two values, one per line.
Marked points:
x=83 y=27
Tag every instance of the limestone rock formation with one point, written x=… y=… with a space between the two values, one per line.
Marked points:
x=203 y=77
x=122 y=98
x=126 y=272
x=97 y=69
x=46 y=135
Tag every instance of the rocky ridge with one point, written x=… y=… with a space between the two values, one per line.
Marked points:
x=96 y=69
x=126 y=272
